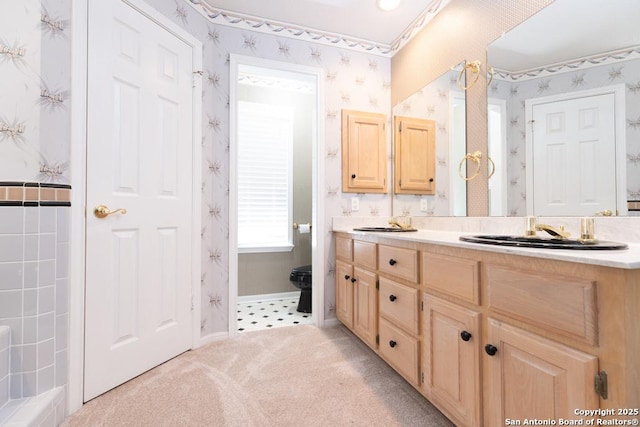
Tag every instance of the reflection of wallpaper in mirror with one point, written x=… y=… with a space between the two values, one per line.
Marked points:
x=516 y=92
x=434 y=102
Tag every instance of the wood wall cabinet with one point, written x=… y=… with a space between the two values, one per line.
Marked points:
x=414 y=153
x=364 y=152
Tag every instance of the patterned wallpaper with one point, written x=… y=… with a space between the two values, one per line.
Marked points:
x=35 y=65
x=516 y=91
x=35 y=116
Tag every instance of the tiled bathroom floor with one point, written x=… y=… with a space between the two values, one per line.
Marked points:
x=254 y=316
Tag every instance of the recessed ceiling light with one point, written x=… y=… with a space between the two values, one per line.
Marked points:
x=388 y=4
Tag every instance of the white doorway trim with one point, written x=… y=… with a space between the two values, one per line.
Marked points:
x=77 y=251
x=618 y=92
x=318 y=184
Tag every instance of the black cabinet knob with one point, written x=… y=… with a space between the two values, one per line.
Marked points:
x=465 y=336
x=392 y=343
x=353 y=280
x=353 y=175
x=491 y=350
x=392 y=261
x=392 y=298
x=347 y=277
x=430 y=179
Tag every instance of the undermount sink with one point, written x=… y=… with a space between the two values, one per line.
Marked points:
x=384 y=229
x=545 y=243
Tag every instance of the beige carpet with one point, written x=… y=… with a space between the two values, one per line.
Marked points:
x=290 y=376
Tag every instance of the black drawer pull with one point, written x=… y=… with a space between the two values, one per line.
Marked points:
x=490 y=349
x=465 y=336
x=347 y=277
x=392 y=261
x=353 y=280
x=392 y=298
x=392 y=343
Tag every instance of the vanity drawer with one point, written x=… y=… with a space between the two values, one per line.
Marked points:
x=561 y=304
x=364 y=254
x=344 y=248
x=399 y=304
x=399 y=349
x=399 y=262
x=458 y=277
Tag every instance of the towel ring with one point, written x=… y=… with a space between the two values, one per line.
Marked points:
x=475 y=157
x=470 y=156
x=475 y=68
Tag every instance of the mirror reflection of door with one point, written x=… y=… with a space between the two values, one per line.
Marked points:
x=497 y=144
x=571 y=151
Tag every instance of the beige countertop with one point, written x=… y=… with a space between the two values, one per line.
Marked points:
x=624 y=258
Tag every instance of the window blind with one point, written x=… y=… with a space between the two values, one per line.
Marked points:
x=265 y=151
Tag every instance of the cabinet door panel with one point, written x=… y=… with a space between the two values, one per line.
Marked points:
x=344 y=293
x=415 y=163
x=451 y=364
x=364 y=152
x=533 y=377
x=365 y=303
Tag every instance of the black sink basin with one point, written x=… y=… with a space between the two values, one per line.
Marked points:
x=384 y=229
x=545 y=243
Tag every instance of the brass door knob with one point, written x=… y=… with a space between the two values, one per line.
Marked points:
x=101 y=211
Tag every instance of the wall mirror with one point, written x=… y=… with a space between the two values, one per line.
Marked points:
x=564 y=111
x=443 y=102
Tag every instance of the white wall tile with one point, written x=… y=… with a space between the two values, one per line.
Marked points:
x=11 y=247
x=10 y=276
x=11 y=220
x=10 y=304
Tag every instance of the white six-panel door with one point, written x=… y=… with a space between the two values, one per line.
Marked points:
x=573 y=146
x=139 y=158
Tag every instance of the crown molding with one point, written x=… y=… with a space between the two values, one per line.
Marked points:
x=261 y=25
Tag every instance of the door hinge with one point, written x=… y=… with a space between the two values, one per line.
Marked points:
x=377 y=284
x=601 y=384
x=422 y=377
x=192 y=303
x=421 y=305
x=377 y=339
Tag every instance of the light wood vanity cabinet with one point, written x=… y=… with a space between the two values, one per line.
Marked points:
x=356 y=296
x=490 y=336
x=451 y=359
x=364 y=152
x=529 y=377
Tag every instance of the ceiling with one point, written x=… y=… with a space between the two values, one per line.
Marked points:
x=359 y=19
x=568 y=30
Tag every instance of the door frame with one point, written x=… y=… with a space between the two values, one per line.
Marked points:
x=619 y=112
x=77 y=253
x=318 y=185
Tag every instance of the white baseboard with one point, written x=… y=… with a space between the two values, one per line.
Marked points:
x=268 y=297
x=218 y=336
